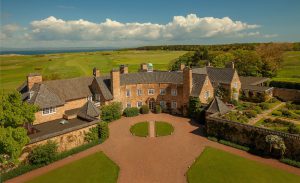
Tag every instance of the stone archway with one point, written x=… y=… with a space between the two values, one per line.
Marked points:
x=151 y=104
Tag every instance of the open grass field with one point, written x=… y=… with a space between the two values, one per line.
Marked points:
x=214 y=165
x=290 y=70
x=140 y=129
x=163 y=128
x=14 y=69
x=94 y=168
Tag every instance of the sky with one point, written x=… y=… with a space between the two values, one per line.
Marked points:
x=132 y=23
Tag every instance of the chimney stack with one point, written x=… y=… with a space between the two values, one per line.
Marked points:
x=181 y=67
x=33 y=78
x=115 y=83
x=144 y=67
x=123 y=69
x=187 y=84
x=96 y=72
x=232 y=64
x=208 y=64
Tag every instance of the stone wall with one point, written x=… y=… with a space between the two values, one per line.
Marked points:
x=206 y=87
x=287 y=94
x=251 y=136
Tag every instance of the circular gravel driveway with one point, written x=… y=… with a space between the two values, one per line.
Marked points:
x=154 y=160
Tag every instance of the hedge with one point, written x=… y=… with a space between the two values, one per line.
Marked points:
x=212 y=139
x=131 y=111
x=111 y=112
x=290 y=162
x=43 y=154
x=231 y=144
x=285 y=84
x=158 y=109
x=144 y=109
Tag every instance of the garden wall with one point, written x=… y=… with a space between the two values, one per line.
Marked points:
x=251 y=136
x=287 y=94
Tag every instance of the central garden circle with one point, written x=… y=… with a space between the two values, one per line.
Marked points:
x=151 y=129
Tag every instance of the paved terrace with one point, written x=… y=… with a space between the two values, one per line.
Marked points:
x=154 y=160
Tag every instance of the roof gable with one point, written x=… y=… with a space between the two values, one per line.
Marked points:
x=217 y=105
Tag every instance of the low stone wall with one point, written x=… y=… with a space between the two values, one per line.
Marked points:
x=251 y=136
x=287 y=94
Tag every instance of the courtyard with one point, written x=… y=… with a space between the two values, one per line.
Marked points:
x=164 y=159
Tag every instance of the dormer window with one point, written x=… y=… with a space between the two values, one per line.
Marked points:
x=235 y=84
x=90 y=98
x=31 y=93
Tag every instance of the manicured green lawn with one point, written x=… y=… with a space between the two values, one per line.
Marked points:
x=140 y=129
x=163 y=128
x=14 y=69
x=214 y=166
x=94 y=168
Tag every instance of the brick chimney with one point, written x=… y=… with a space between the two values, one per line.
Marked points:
x=144 y=67
x=181 y=67
x=96 y=72
x=208 y=64
x=232 y=65
x=115 y=83
x=33 y=78
x=187 y=84
x=123 y=69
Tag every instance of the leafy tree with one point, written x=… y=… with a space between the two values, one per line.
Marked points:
x=14 y=112
x=112 y=111
x=195 y=108
x=222 y=59
x=247 y=63
x=12 y=141
x=43 y=154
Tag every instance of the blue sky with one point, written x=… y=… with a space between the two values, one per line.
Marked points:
x=66 y=23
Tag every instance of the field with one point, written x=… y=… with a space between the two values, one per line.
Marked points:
x=94 y=168
x=13 y=69
x=290 y=70
x=218 y=166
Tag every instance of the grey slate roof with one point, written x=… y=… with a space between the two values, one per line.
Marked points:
x=198 y=82
x=256 y=88
x=88 y=111
x=44 y=97
x=250 y=80
x=217 y=105
x=104 y=86
x=217 y=75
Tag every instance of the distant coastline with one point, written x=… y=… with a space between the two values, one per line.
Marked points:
x=50 y=51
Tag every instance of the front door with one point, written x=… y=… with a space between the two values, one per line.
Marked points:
x=151 y=105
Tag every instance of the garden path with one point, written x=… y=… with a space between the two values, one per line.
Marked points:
x=151 y=128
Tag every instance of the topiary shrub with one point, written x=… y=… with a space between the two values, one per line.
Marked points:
x=131 y=111
x=250 y=113
x=144 y=109
x=104 y=130
x=43 y=154
x=157 y=109
x=112 y=111
x=276 y=113
x=264 y=106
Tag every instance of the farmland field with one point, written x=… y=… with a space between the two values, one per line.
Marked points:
x=13 y=69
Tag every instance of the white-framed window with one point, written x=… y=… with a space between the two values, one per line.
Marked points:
x=139 y=104
x=49 y=110
x=206 y=94
x=31 y=94
x=162 y=104
x=128 y=104
x=174 y=92
x=90 y=98
x=97 y=97
x=235 y=84
x=174 y=105
x=151 y=91
x=139 y=92
x=162 y=91
x=128 y=92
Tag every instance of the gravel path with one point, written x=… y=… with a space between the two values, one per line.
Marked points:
x=151 y=128
x=154 y=160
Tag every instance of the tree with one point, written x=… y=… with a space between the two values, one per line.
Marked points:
x=12 y=141
x=195 y=109
x=43 y=154
x=112 y=111
x=247 y=63
x=14 y=112
x=222 y=59
x=276 y=142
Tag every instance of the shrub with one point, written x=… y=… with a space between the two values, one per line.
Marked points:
x=157 y=109
x=131 y=111
x=231 y=144
x=264 y=105
x=111 y=112
x=212 y=138
x=43 y=154
x=290 y=162
x=21 y=169
x=234 y=102
x=144 y=109
x=273 y=100
x=293 y=129
x=250 y=113
x=285 y=112
x=276 y=113
x=297 y=112
x=92 y=135
x=257 y=109
x=104 y=131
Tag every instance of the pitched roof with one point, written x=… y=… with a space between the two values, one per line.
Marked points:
x=250 y=80
x=217 y=105
x=44 y=97
x=88 y=111
x=198 y=82
x=217 y=75
x=104 y=87
x=256 y=88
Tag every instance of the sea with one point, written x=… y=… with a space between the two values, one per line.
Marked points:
x=51 y=51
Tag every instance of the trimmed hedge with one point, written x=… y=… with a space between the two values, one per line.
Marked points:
x=285 y=84
x=131 y=111
x=144 y=109
x=212 y=139
x=111 y=112
x=231 y=144
x=290 y=162
x=157 y=109
x=104 y=131
x=43 y=154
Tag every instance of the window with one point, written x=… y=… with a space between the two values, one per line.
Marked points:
x=174 y=105
x=235 y=85
x=206 y=95
x=128 y=93
x=174 y=92
x=31 y=94
x=162 y=91
x=128 y=104
x=97 y=97
x=139 y=104
x=139 y=92
x=235 y=96
x=90 y=98
x=49 y=110
x=151 y=91
x=162 y=104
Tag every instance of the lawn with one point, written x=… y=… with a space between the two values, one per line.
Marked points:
x=14 y=69
x=94 y=168
x=214 y=166
x=163 y=128
x=290 y=68
x=140 y=129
